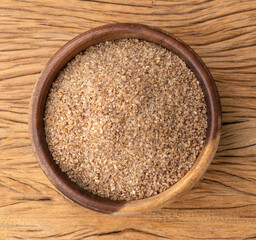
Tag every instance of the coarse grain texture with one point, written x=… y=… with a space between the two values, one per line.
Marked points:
x=125 y=119
x=221 y=206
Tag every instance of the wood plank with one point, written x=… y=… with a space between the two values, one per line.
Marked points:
x=221 y=206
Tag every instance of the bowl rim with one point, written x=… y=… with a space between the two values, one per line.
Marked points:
x=64 y=55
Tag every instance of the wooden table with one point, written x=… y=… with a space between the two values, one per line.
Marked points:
x=221 y=206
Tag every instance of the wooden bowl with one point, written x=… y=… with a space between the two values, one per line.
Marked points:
x=82 y=42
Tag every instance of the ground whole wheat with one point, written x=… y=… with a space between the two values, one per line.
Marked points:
x=125 y=119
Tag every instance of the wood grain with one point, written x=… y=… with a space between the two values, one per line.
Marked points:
x=223 y=203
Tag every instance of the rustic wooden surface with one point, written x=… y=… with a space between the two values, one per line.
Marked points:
x=221 y=206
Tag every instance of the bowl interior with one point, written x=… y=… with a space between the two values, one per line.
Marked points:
x=81 y=43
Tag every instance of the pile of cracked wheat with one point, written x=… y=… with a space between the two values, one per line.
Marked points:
x=125 y=119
